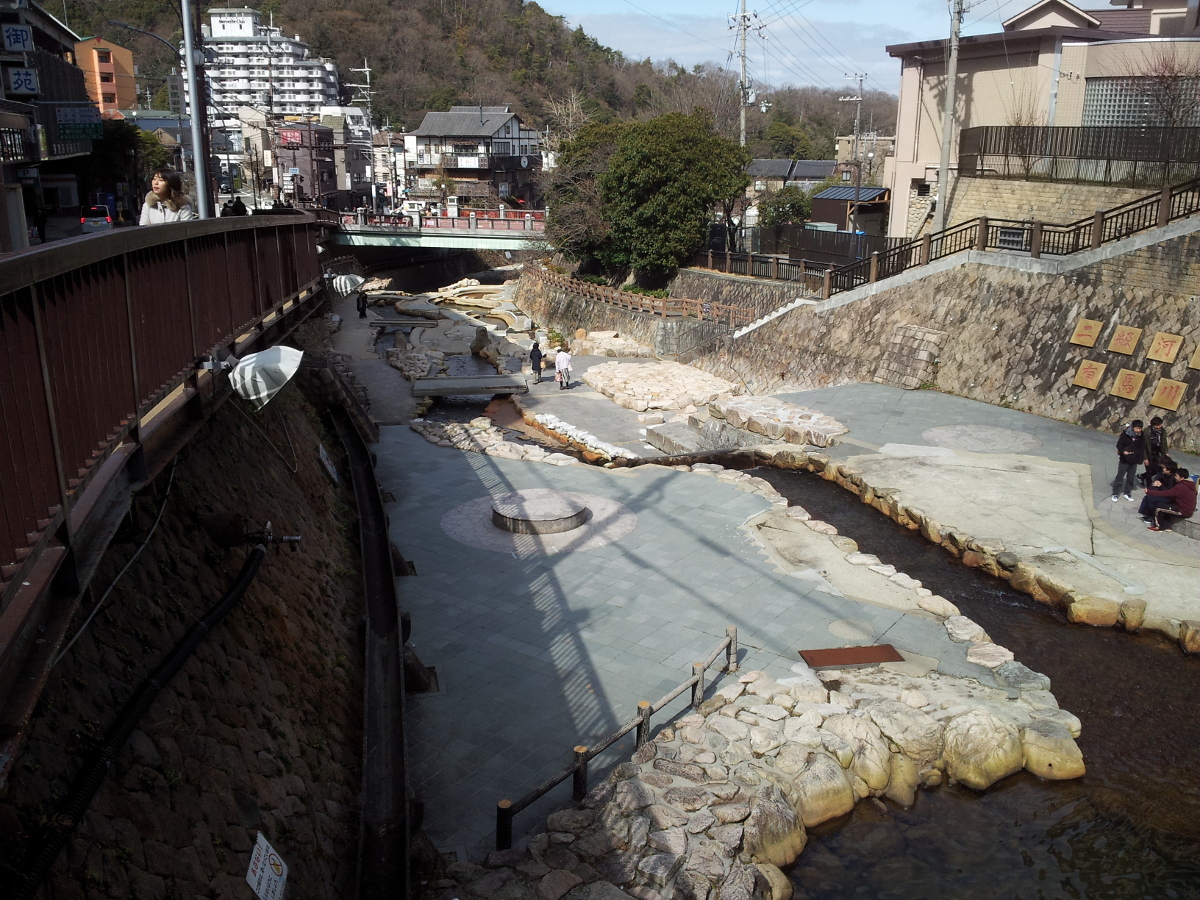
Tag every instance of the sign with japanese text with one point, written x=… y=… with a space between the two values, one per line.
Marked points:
x=1194 y=362
x=1125 y=340
x=1128 y=384
x=79 y=123
x=267 y=874
x=1089 y=374
x=289 y=137
x=1165 y=347
x=1168 y=394
x=21 y=81
x=1087 y=332
x=18 y=38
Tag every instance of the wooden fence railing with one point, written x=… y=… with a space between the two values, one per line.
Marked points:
x=577 y=771
x=725 y=314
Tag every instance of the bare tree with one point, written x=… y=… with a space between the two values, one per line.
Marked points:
x=1167 y=78
x=564 y=117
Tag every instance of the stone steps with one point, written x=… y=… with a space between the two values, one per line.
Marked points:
x=773 y=315
x=673 y=439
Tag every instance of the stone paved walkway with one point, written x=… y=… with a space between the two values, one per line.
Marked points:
x=877 y=414
x=535 y=654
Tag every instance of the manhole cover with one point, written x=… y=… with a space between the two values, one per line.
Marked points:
x=981 y=438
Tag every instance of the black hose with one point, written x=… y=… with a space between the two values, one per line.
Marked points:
x=72 y=810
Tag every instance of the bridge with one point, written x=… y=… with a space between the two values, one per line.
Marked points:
x=483 y=229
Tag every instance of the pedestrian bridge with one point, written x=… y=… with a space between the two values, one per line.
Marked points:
x=486 y=229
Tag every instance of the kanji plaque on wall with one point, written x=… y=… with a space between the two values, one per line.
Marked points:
x=1088 y=374
x=1087 y=332
x=1165 y=347
x=1125 y=340
x=1194 y=362
x=1128 y=384
x=1168 y=394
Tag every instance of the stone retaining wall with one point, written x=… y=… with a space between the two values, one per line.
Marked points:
x=759 y=294
x=1004 y=198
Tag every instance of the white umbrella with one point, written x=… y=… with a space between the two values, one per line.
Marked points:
x=259 y=376
x=344 y=284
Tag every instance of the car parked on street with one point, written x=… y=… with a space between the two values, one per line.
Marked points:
x=95 y=218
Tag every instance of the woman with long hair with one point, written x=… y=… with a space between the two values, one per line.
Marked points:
x=166 y=201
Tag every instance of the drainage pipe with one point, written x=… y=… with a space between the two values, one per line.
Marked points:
x=40 y=859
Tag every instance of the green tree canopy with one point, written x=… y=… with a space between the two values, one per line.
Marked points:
x=575 y=223
x=786 y=206
x=788 y=141
x=664 y=180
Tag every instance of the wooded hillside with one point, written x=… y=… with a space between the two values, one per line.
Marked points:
x=432 y=54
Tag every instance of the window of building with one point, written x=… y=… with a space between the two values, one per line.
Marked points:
x=103 y=56
x=845 y=175
x=106 y=77
x=108 y=98
x=1138 y=102
x=921 y=187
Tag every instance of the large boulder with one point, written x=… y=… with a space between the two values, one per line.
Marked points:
x=965 y=631
x=871 y=754
x=980 y=749
x=773 y=832
x=822 y=790
x=1050 y=751
x=917 y=734
x=906 y=778
x=1085 y=610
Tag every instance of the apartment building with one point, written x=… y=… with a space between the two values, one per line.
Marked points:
x=1054 y=65
x=108 y=73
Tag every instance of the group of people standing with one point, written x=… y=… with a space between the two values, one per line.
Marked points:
x=562 y=365
x=1170 y=489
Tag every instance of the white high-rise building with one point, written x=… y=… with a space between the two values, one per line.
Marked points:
x=256 y=65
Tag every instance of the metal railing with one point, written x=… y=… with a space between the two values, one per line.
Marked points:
x=1035 y=238
x=1101 y=155
x=483 y=220
x=96 y=331
x=577 y=770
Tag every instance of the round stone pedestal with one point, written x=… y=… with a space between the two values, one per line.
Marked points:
x=538 y=511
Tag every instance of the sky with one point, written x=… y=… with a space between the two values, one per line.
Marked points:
x=795 y=42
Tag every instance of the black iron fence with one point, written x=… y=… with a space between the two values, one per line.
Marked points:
x=836 y=248
x=1136 y=157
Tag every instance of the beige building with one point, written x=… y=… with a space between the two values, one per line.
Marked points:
x=1054 y=64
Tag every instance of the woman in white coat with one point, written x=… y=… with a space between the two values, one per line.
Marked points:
x=166 y=201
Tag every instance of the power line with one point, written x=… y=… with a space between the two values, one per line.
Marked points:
x=790 y=9
x=673 y=25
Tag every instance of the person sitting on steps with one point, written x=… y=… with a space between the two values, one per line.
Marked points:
x=1178 y=500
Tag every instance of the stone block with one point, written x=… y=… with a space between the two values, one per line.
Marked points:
x=1088 y=610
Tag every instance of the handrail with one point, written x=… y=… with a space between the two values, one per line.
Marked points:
x=1033 y=237
x=577 y=770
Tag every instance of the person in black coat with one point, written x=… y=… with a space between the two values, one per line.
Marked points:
x=1155 y=439
x=1130 y=450
x=535 y=362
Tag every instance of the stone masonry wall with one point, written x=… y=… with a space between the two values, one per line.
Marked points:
x=759 y=294
x=1002 y=198
x=1005 y=341
x=261 y=730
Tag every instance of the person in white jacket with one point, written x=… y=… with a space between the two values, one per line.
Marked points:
x=166 y=201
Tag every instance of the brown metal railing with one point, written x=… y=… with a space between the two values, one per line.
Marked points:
x=1033 y=237
x=96 y=331
x=577 y=770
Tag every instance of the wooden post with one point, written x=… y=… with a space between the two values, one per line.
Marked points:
x=698 y=668
x=1035 y=241
x=926 y=248
x=874 y=266
x=981 y=235
x=827 y=285
x=731 y=660
x=775 y=267
x=1097 y=229
x=1164 y=206
x=729 y=261
x=643 y=726
x=802 y=269
x=579 y=783
x=710 y=262
x=504 y=817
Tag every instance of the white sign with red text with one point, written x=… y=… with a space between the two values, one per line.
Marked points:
x=268 y=872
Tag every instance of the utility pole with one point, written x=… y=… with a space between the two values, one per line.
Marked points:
x=857 y=101
x=744 y=94
x=956 y=17
x=366 y=93
x=199 y=146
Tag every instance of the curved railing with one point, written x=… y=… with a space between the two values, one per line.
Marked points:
x=96 y=331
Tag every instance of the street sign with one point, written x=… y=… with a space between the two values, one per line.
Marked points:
x=18 y=38
x=22 y=81
x=267 y=874
x=79 y=123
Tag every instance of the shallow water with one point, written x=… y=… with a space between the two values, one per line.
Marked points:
x=1129 y=829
